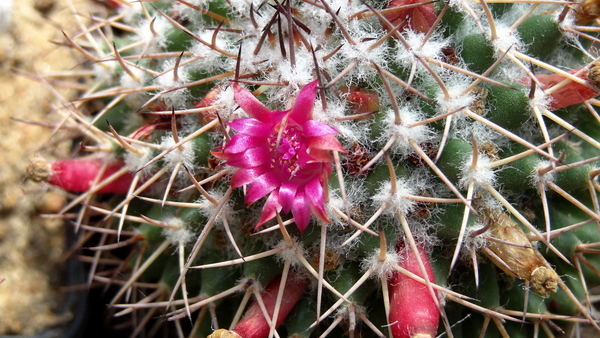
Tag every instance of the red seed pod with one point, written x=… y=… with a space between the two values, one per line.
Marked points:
x=413 y=312
x=79 y=175
x=253 y=324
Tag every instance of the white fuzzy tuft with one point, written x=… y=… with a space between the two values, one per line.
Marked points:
x=431 y=49
x=473 y=242
x=180 y=235
x=175 y=98
x=139 y=81
x=207 y=208
x=455 y=101
x=383 y=269
x=507 y=38
x=550 y=176
x=106 y=71
x=355 y=195
x=481 y=175
x=190 y=13
x=540 y=99
x=135 y=161
x=290 y=254
x=395 y=202
x=300 y=74
x=403 y=132
x=183 y=153
x=156 y=38
x=230 y=110
x=211 y=59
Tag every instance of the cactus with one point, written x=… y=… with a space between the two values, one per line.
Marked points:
x=249 y=167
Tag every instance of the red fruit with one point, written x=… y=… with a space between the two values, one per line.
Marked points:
x=253 y=324
x=413 y=312
x=419 y=19
x=79 y=175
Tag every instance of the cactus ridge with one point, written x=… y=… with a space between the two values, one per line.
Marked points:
x=261 y=168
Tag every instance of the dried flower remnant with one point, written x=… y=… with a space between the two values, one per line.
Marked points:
x=512 y=252
x=587 y=11
x=356 y=159
x=283 y=154
x=361 y=100
x=573 y=92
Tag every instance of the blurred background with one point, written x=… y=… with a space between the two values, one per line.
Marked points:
x=33 y=299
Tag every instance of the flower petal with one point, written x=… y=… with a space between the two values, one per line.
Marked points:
x=245 y=176
x=326 y=142
x=243 y=142
x=271 y=208
x=302 y=109
x=313 y=128
x=319 y=155
x=250 y=158
x=263 y=185
x=301 y=211
x=252 y=127
x=250 y=104
x=287 y=193
x=314 y=191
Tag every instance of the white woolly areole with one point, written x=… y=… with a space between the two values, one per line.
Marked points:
x=105 y=71
x=549 y=176
x=506 y=39
x=383 y=269
x=362 y=51
x=300 y=74
x=480 y=175
x=431 y=49
x=462 y=5
x=176 y=98
x=290 y=254
x=153 y=42
x=132 y=83
x=473 y=242
x=396 y=203
x=210 y=57
x=132 y=14
x=183 y=153
x=403 y=132
x=230 y=110
x=178 y=236
x=540 y=99
x=355 y=195
x=167 y=79
x=457 y=100
x=350 y=131
x=206 y=208
x=189 y=12
x=135 y=161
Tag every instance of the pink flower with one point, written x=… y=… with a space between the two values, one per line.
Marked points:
x=283 y=154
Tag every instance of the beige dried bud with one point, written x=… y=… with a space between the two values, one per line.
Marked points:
x=510 y=249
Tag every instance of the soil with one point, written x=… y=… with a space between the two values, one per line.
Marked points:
x=31 y=247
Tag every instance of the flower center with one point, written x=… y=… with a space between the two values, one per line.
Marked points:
x=286 y=150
